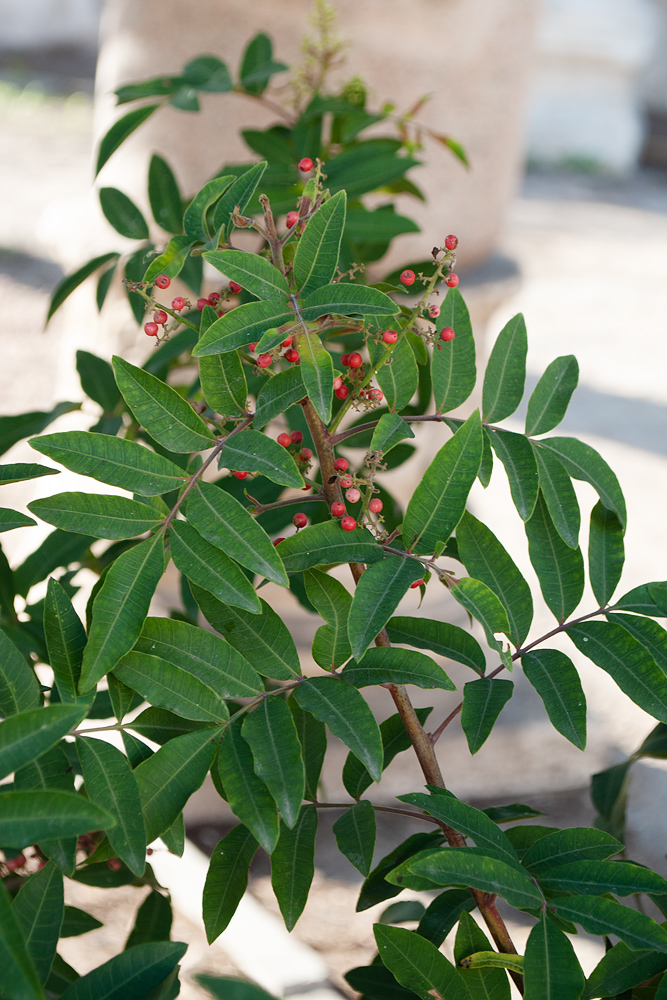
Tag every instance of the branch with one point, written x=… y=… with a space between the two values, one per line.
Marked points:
x=383 y=809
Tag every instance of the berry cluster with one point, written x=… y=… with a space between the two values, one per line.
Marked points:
x=355 y=376
x=284 y=351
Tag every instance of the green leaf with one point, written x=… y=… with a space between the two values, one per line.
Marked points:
x=483 y=701
x=168 y=778
x=620 y=969
x=326 y=543
x=612 y=648
x=453 y=367
x=355 y=833
x=239 y=194
x=256 y=274
x=161 y=410
x=374 y=982
x=641 y=600
x=130 y=975
x=223 y=383
x=19 y=976
x=258 y=65
x=439 y=500
x=171 y=261
x=481 y=602
x=505 y=374
x=168 y=686
x=403 y=912
x=194 y=219
x=318 y=249
x=347 y=715
x=651 y=636
x=111 y=785
x=227 y=879
x=263 y=639
x=559 y=568
x=77 y=922
x=229 y=988
x=574 y=844
x=152 y=922
x=606 y=553
x=226 y=523
x=208 y=74
x=10 y=519
x=202 y=654
x=483 y=983
x=366 y=166
x=395 y=740
x=120 y=131
x=19 y=687
x=164 y=196
x=27 y=735
x=19 y=472
x=72 y=281
x=389 y=431
x=460 y=866
x=440 y=637
x=443 y=913
x=583 y=462
x=248 y=796
x=655 y=744
x=376 y=888
x=344 y=299
x=518 y=458
x=398 y=377
x=332 y=601
x=97 y=380
x=120 y=608
x=313 y=739
x=161 y=726
x=598 y=915
x=317 y=373
x=609 y=792
x=96 y=514
x=255 y=452
x=487 y=560
x=112 y=460
x=556 y=680
x=292 y=865
x=418 y=965
x=560 y=498
x=383 y=665
x=208 y=567
x=376 y=597
x=277 y=395
x=121 y=213
x=51 y=771
x=240 y=326
x=271 y=734
x=593 y=878
x=38 y=910
x=65 y=640
x=551 y=967
x=551 y=396
x=469 y=821
x=31 y=816
x=58 y=550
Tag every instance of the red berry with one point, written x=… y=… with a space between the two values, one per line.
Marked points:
x=287 y=342
x=342 y=393
x=214 y=298
x=291 y=219
x=305 y=165
x=348 y=524
x=346 y=482
x=434 y=311
x=452 y=279
x=375 y=506
x=284 y=439
x=305 y=454
x=162 y=281
x=253 y=347
x=150 y=329
x=292 y=356
x=345 y=359
x=178 y=303
x=408 y=277
x=341 y=465
x=447 y=333
x=264 y=360
x=337 y=382
x=221 y=312
x=240 y=475
x=277 y=541
x=160 y=316
x=201 y=303
x=296 y=437
x=376 y=394
x=235 y=288
x=417 y=583
x=353 y=495
x=452 y=242
x=299 y=520
x=114 y=864
x=390 y=336
x=356 y=360
x=337 y=508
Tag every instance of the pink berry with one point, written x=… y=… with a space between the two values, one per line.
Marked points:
x=253 y=347
x=375 y=506
x=390 y=336
x=299 y=520
x=291 y=219
x=342 y=393
x=292 y=356
x=452 y=279
x=452 y=242
x=277 y=541
x=162 y=281
x=264 y=360
x=150 y=329
x=178 y=303
x=408 y=277
x=345 y=360
x=346 y=482
x=356 y=360
x=353 y=495
x=214 y=298
x=447 y=333
x=341 y=465
x=201 y=303
x=337 y=508
x=434 y=311
x=240 y=475
x=305 y=165
x=305 y=454
x=114 y=864
x=376 y=394
x=160 y=316
x=287 y=342
x=284 y=439
x=337 y=382
x=348 y=524
x=417 y=583
x=235 y=288
x=296 y=437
